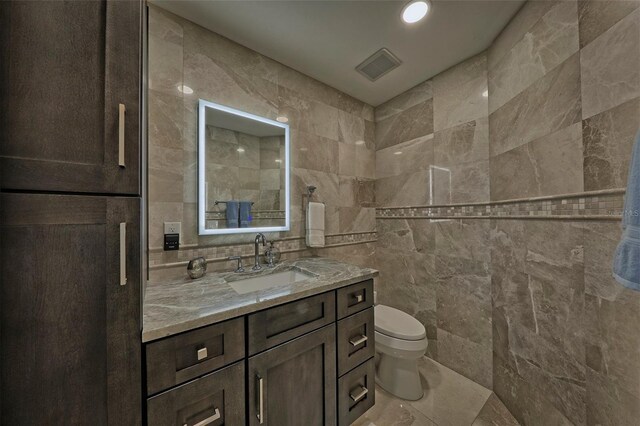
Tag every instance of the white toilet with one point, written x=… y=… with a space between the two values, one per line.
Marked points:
x=400 y=341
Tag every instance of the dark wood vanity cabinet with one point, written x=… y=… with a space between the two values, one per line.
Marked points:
x=70 y=104
x=307 y=362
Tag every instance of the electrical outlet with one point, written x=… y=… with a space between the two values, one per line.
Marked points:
x=172 y=227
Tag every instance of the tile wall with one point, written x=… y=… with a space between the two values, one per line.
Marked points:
x=331 y=133
x=508 y=212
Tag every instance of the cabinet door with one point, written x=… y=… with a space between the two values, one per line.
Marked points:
x=70 y=328
x=66 y=68
x=295 y=383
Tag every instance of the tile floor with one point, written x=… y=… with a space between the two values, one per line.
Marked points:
x=450 y=399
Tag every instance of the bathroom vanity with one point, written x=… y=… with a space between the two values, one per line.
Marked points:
x=294 y=354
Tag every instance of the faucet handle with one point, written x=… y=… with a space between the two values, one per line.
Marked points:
x=239 y=259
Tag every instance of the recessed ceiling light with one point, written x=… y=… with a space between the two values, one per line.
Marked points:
x=359 y=142
x=185 y=89
x=241 y=149
x=485 y=93
x=282 y=119
x=398 y=152
x=414 y=11
x=278 y=160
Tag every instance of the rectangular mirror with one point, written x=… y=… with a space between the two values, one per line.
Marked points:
x=243 y=172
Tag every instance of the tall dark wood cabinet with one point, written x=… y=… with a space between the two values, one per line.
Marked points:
x=70 y=99
x=71 y=96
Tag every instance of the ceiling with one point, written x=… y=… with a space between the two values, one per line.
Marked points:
x=328 y=39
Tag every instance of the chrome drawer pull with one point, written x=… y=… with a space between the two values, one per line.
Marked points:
x=360 y=395
x=260 y=414
x=121 y=113
x=123 y=253
x=359 y=341
x=202 y=354
x=208 y=420
x=359 y=298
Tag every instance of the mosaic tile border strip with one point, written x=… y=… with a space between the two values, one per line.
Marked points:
x=159 y=258
x=597 y=205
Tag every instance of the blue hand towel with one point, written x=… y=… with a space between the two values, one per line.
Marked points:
x=245 y=214
x=626 y=262
x=232 y=214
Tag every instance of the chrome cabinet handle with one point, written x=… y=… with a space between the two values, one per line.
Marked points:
x=121 y=116
x=123 y=253
x=359 y=298
x=359 y=395
x=358 y=341
x=202 y=354
x=208 y=420
x=260 y=414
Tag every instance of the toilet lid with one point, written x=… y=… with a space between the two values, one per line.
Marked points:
x=395 y=323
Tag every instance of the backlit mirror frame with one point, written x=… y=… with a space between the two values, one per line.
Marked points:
x=202 y=197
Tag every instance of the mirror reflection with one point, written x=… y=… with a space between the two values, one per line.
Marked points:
x=243 y=172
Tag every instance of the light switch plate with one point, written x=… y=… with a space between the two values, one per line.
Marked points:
x=172 y=227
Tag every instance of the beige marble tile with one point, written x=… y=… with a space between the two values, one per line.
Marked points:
x=407 y=157
x=165 y=174
x=391 y=411
x=353 y=106
x=460 y=144
x=164 y=25
x=516 y=29
x=463 y=183
x=308 y=115
x=608 y=141
x=348 y=189
x=309 y=151
x=458 y=93
x=472 y=360
x=494 y=413
x=165 y=120
x=357 y=219
x=463 y=300
x=450 y=399
x=412 y=123
x=548 y=105
x=411 y=189
x=350 y=128
x=610 y=67
x=549 y=42
x=165 y=51
x=538 y=313
x=414 y=96
x=527 y=404
x=597 y=16
x=346 y=159
x=365 y=165
x=547 y=166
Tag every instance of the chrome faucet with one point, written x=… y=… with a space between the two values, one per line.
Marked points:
x=256 y=266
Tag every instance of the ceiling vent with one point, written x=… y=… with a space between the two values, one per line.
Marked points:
x=378 y=64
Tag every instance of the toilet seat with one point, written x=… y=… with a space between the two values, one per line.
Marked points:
x=396 y=324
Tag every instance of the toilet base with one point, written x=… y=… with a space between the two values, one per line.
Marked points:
x=400 y=377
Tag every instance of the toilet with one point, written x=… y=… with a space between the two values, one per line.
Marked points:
x=400 y=342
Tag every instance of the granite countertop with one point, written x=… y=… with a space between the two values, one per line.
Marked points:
x=180 y=305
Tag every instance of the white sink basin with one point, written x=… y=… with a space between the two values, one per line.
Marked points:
x=249 y=285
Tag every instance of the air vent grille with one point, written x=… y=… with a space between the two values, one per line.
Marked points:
x=378 y=64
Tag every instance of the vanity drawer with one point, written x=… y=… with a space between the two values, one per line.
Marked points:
x=354 y=298
x=356 y=340
x=178 y=359
x=279 y=324
x=213 y=400
x=356 y=392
